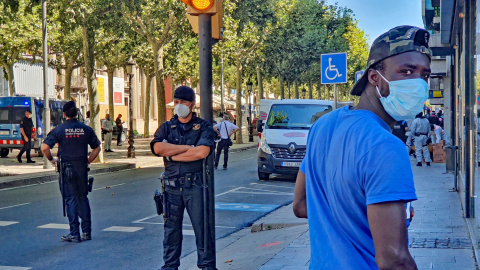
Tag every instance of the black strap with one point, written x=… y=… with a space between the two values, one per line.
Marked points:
x=226 y=130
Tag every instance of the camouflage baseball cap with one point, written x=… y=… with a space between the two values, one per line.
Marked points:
x=395 y=41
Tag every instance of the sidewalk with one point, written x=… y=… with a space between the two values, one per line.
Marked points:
x=438 y=235
x=14 y=174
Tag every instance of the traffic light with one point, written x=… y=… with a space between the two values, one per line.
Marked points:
x=213 y=7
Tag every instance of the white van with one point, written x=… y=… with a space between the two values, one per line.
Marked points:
x=283 y=130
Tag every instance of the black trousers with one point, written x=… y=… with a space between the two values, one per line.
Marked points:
x=27 y=147
x=179 y=199
x=119 y=136
x=75 y=190
x=222 y=145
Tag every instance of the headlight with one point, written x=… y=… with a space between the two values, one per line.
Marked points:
x=264 y=146
x=39 y=131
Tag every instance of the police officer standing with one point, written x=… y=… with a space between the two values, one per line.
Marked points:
x=108 y=130
x=26 y=126
x=420 y=129
x=73 y=138
x=184 y=142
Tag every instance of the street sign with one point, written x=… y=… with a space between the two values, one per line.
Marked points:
x=334 y=68
x=437 y=101
x=358 y=74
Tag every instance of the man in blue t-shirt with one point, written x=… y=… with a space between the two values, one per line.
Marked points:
x=356 y=176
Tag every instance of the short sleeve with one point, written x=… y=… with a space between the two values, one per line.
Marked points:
x=206 y=138
x=22 y=125
x=93 y=140
x=160 y=135
x=51 y=139
x=218 y=125
x=386 y=173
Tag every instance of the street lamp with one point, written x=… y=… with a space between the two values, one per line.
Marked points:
x=250 y=127
x=304 y=92
x=129 y=69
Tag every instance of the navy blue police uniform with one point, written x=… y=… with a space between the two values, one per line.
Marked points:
x=183 y=189
x=27 y=125
x=73 y=138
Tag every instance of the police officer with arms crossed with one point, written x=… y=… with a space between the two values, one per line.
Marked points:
x=354 y=197
x=73 y=138
x=26 y=126
x=184 y=142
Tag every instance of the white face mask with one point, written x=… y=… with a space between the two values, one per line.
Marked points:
x=182 y=110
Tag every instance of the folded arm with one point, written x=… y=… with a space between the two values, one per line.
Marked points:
x=192 y=154
x=167 y=149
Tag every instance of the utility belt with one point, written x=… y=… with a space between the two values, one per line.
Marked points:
x=419 y=134
x=184 y=181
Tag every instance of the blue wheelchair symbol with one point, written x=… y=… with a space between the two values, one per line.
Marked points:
x=334 y=68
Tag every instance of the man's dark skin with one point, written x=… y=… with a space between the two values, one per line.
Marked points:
x=387 y=220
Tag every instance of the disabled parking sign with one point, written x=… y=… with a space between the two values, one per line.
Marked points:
x=334 y=68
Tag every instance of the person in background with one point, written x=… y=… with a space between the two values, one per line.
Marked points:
x=420 y=129
x=108 y=130
x=119 y=123
x=26 y=130
x=438 y=134
x=433 y=119
x=87 y=120
x=224 y=130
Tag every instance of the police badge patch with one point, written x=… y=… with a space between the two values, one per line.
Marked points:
x=196 y=126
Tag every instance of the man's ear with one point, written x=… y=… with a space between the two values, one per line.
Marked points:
x=373 y=77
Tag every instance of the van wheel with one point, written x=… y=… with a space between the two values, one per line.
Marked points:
x=262 y=175
x=4 y=152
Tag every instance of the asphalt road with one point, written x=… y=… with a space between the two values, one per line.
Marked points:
x=127 y=233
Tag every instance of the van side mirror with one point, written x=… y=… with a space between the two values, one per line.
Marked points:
x=260 y=125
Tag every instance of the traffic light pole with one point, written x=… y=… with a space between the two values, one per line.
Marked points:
x=206 y=111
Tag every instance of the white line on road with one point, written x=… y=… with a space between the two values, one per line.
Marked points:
x=121 y=184
x=7 y=223
x=188 y=232
x=14 y=268
x=55 y=226
x=263 y=193
x=265 y=190
x=269 y=185
x=143 y=219
x=229 y=191
x=122 y=229
x=14 y=206
x=51 y=182
x=161 y=223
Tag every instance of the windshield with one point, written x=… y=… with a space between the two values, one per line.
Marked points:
x=295 y=116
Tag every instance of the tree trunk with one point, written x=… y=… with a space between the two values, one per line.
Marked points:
x=67 y=91
x=296 y=89
x=282 y=87
x=162 y=110
x=239 y=101
x=260 y=84
x=310 y=89
x=89 y=57
x=289 y=93
x=319 y=90
x=146 y=125
x=111 y=107
x=11 y=80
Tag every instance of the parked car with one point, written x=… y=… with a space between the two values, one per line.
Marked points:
x=116 y=130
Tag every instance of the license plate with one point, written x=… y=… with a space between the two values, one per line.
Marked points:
x=291 y=164
x=4 y=132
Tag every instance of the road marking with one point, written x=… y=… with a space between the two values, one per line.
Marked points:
x=107 y=187
x=270 y=244
x=122 y=229
x=188 y=232
x=11 y=206
x=142 y=221
x=245 y=207
x=270 y=185
x=55 y=226
x=264 y=193
x=229 y=191
x=7 y=223
x=14 y=268
x=50 y=182
x=264 y=190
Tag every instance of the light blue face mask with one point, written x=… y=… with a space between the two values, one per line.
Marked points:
x=406 y=98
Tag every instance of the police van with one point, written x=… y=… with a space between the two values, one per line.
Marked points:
x=12 y=111
x=283 y=130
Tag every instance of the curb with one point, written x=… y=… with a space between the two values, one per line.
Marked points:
x=26 y=180
x=273 y=226
x=242 y=149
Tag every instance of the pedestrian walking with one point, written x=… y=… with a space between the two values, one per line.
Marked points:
x=26 y=130
x=224 y=130
x=73 y=138
x=420 y=129
x=438 y=134
x=87 y=120
x=108 y=132
x=433 y=119
x=184 y=142
x=356 y=175
x=119 y=124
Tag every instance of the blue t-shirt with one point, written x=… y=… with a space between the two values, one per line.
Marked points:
x=352 y=160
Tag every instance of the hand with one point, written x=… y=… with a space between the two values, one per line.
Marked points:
x=26 y=139
x=54 y=161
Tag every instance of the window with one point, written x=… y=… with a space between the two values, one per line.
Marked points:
x=295 y=116
x=4 y=112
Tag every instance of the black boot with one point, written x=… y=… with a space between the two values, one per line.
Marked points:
x=428 y=163
x=419 y=164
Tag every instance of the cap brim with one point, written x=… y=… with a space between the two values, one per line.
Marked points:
x=359 y=86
